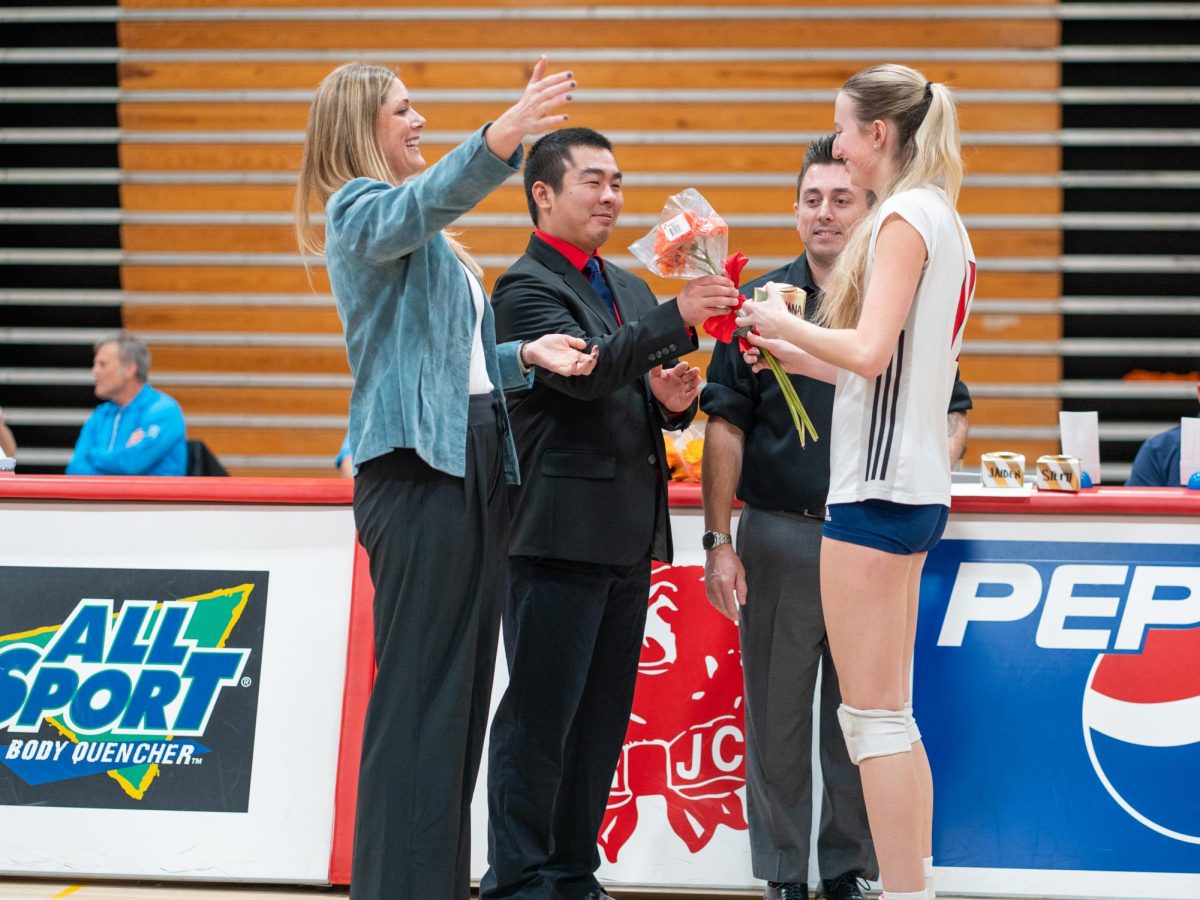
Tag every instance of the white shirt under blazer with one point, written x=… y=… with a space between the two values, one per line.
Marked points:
x=889 y=438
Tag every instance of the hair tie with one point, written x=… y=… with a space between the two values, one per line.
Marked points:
x=928 y=89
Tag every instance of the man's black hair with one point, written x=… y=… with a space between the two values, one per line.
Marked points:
x=819 y=153
x=549 y=158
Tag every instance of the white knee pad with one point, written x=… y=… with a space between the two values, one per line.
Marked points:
x=914 y=733
x=874 y=732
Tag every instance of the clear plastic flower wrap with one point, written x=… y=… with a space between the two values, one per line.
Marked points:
x=688 y=241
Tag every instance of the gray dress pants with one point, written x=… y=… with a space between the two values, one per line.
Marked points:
x=783 y=644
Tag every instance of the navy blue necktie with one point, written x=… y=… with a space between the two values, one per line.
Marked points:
x=596 y=278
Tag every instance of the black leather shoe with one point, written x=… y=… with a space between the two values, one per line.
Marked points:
x=844 y=887
x=785 y=890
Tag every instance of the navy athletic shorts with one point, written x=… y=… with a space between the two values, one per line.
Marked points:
x=891 y=527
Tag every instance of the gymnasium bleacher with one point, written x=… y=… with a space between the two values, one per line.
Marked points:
x=149 y=149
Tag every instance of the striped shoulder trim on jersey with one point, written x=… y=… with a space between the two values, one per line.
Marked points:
x=965 y=296
x=884 y=403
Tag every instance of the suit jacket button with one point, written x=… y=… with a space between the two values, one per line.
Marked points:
x=672 y=348
x=652 y=459
x=651 y=357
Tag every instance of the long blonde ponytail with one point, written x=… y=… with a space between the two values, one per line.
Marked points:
x=928 y=149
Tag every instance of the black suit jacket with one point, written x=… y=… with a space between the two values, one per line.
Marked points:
x=593 y=467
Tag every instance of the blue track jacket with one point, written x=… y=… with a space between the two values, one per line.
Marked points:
x=146 y=437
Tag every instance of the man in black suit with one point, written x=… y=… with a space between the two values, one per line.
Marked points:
x=590 y=514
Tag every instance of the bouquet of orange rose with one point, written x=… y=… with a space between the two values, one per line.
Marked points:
x=691 y=240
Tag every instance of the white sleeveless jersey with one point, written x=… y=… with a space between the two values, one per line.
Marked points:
x=889 y=438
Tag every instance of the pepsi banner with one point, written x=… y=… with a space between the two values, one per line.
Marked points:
x=1057 y=685
x=129 y=689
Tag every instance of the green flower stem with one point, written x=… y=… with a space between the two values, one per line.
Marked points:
x=800 y=419
x=799 y=415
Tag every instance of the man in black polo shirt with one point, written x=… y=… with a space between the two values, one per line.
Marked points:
x=772 y=582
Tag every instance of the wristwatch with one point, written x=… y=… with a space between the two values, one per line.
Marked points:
x=714 y=539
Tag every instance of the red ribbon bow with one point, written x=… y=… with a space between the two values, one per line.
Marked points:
x=723 y=326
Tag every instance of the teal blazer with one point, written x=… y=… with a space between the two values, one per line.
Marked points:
x=405 y=305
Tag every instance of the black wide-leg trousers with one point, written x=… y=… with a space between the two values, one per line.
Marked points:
x=438 y=553
x=572 y=638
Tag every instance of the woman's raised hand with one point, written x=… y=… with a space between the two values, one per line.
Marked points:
x=538 y=110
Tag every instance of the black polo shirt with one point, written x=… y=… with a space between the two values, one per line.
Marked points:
x=777 y=473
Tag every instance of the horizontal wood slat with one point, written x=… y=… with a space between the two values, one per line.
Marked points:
x=225 y=279
x=631 y=116
x=773 y=199
x=241 y=319
x=417 y=75
x=1012 y=411
x=272 y=441
x=566 y=34
x=295 y=360
x=1013 y=328
x=778 y=199
x=1031 y=450
x=259 y=157
x=223 y=198
x=281 y=472
x=512 y=241
x=308 y=320
x=292 y=280
x=281 y=400
x=984 y=369
x=529 y=4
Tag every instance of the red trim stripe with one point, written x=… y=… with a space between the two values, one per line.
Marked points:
x=964 y=301
x=360 y=675
x=303 y=491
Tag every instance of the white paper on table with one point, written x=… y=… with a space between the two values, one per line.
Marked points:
x=1080 y=436
x=1189 y=448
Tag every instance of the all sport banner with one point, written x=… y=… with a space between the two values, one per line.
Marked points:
x=127 y=688
x=171 y=686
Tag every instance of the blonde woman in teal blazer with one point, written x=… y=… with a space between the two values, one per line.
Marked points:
x=431 y=444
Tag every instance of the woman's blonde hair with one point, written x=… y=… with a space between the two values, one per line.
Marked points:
x=928 y=152
x=341 y=144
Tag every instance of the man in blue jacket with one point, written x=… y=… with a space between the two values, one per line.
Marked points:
x=138 y=430
x=1157 y=461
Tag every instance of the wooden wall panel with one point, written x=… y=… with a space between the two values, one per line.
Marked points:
x=511 y=240
x=628 y=116
x=455 y=34
x=170 y=357
x=224 y=155
x=241 y=400
x=137 y=154
x=775 y=199
x=272 y=441
x=238 y=319
x=532 y=4
x=482 y=74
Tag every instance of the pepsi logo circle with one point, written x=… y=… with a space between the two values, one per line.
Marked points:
x=1141 y=727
